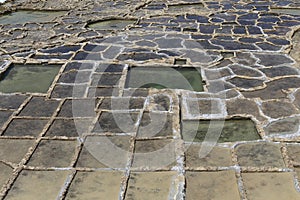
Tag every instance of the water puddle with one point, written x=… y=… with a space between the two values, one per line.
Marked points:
x=231 y=130
x=288 y=11
x=186 y=7
x=114 y=24
x=28 y=78
x=26 y=16
x=180 y=61
x=187 y=78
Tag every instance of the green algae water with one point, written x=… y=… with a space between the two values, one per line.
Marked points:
x=115 y=24
x=26 y=16
x=28 y=78
x=186 y=78
x=232 y=130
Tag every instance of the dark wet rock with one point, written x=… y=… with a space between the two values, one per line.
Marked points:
x=246 y=83
x=218 y=86
x=249 y=16
x=155 y=125
x=47 y=57
x=155 y=6
x=208 y=29
x=75 y=77
x=294 y=153
x=279 y=31
x=169 y=53
x=268 y=47
x=216 y=20
x=4 y=116
x=11 y=101
x=239 y=30
x=68 y=127
x=230 y=130
x=39 y=107
x=283 y=126
x=177 y=29
x=140 y=56
x=146 y=43
x=220 y=37
x=242 y=107
x=273 y=59
x=278 y=41
x=72 y=108
x=297 y=99
x=227 y=55
x=279 y=71
x=53 y=153
x=289 y=23
x=274 y=89
x=138 y=92
x=213 y=74
x=266 y=26
x=109 y=67
x=200 y=44
x=232 y=45
x=245 y=71
x=229 y=94
x=224 y=30
x=77 y=66
x=168 y=43
x=102 y=91
x=63 y=91
x=105 y=79
x=259 y=155
x=94 y=48
x=262 y=8
x=201 y=37
x=198 y=18
x=126 y=103
x=223 y=63
x=295 y=51
x=199 y=57
x=226 y=16
x=87 y=56
x=243 y=22
x=25 y=127
x=160 y=103
x=62 y=49
x=269 y=19
x=204 y=107
x=111 y=52
x=254 y=30
x=138 y=49
x=277 y=109
x=116 y=122
x=88 y=34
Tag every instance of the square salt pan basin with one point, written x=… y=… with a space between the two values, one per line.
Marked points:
x=31 y=78
x=26 y=16
x=187 y=78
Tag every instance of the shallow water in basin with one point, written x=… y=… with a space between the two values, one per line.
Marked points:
x=187 y=78
x=28 y=78
x=26 y=16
